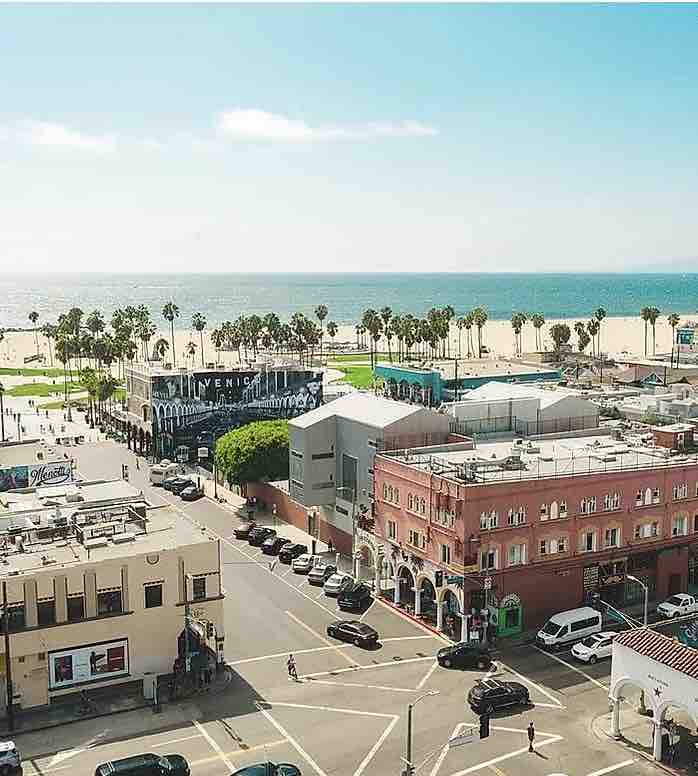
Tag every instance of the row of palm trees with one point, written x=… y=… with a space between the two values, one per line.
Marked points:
x=650 y=316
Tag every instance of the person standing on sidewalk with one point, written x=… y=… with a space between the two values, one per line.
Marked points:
x=531 y=736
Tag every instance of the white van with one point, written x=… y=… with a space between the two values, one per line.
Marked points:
x=568 y=627
x=159 y=472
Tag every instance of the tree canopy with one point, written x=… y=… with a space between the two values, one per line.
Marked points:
x=257 y=452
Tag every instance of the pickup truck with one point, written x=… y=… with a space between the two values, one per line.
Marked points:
x=678 y=605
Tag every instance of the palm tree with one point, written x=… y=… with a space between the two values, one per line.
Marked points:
x=199 y=323
x=34 y=317
x=217 y=338
x=538 y=321
x=593 y=328
x=652 y=315
x=49 y=331
x=160 y=348
x=332 y=329
x=469 y=322
x=645 y=315
x=321 y=313
x=190 y=351
x=600 y=314
x=460 y=325
x=673 y=320
x=479 y=319
x=169 y=312
x=582 y=336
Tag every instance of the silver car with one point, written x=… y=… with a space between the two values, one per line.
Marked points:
x=336 y=583
x=303 y=563
x=10 y=760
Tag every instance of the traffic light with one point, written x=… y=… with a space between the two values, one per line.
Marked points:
x=484 y=726
x=209 y=630
x=439 y=578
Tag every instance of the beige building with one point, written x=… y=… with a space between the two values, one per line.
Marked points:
x=97 y=594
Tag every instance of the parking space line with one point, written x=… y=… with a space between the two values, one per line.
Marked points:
x=612 y=768
x=363 y=668
x=445 y=749
x=321 y=637
x=372 y=753
x=503 y=757
x=370 y=606
x=533 y=684
x=591 y=679
x=292 y=741
x=319 y=595
x=364 y=686
x=177 y=740
x=426 y=676
x=313 y=707
x=213 y=744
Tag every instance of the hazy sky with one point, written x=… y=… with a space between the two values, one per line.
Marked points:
x=248 y=138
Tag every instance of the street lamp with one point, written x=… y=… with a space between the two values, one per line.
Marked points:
x=2 y=413
x=409 y=769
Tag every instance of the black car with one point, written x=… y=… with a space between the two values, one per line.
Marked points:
x=319 y=574
x=290 y=551
x=176 y=484
x=464 y=655
x=257 y=536
x=242 y=531
x=191 y=493
x=355 y=597
x=145 y=765
x=353 y=631
x=491 y=694
x=273 y=544
x=269 y=769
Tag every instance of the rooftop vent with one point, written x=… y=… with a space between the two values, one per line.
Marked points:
x=123 y=538
x=46 y=561
x=98 y=541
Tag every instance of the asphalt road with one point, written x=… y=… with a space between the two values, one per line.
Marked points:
x=347 y=714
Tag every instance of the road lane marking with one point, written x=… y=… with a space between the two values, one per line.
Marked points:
x=268 y=745
x=372 y=753
x=503 y=757
x=533 y=684
x=66 y=754
x=322 y=638
x=313 y=707
x=213 y=744
x=428 y=674
x=604 y=687
x=319 y=595
x=367 y=667
x=364 y=686
x=370 y=606
x=292 y=741
x=177 y=740
x=612 y=768
x=445 y=749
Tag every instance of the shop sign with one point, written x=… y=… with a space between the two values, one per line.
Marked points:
x=41 y=475
x=510 y=601
x=591 y=577
x=454 y=580
x=87 y=664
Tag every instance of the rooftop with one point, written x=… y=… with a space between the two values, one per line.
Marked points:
x=112 y=534
x=69 y=494
x=661 y=648
x=518 y=459
x=25 y=453
x=361 y=407
x=474 y=367
x=496 y=391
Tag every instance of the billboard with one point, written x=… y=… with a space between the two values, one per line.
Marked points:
x=85 y=664
x=35 y=475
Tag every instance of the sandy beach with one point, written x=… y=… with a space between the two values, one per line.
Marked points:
x=618 y=335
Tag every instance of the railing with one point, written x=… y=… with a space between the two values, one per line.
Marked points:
x=483 y=427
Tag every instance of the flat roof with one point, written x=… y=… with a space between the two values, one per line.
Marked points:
x=516 y=459
x=361 y=407
x=483 y=367
x=74 y=494
x=164 y=529
x=26 y=453
x=495 y=391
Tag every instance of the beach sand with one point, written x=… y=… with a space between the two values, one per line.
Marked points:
x=618 y=335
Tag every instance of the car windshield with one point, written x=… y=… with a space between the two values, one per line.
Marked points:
x=551 y=628
x=590 y=642
x=335 y=578
x=675 y=600
x=164 y=764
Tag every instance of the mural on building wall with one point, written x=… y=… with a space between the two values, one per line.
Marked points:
x=192 y=409
x=35 y=475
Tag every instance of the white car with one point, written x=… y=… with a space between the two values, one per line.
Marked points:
x=594 y=648
x=10 y=760
x=303 y=563
x=678 y=605
x=336 y=583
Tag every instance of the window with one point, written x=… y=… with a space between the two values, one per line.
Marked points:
x=563 y=509
x=656 y=494
x=588 y=505
x=410 y=502
x=349 y=474
x=543 y=511
x=417 y=539
x=517 y=554
x=76 y=608
x=153 y=595
x=47 y=612
x=422 y=506
x=488 y=560
x=612 y=537
x=385 y=492
x=587 y=542
x=680 y=491
x=611 y=501
x=553 y=546
x=389 y=492
x=392 y=530
x=446 y=553
x=320 y=456
x=639 y=498
x=695 y=523
x=397 y=495
x=15 y=619
x=198 y=588
x=646 y=530
x=517 y=516
x=109 y=602
x=679 y=526
x=489 y=520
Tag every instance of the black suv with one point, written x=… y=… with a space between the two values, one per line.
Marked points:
x=355 y=597
x=177 y=484
x=257 y=536
x=491 y=694
x=273 y=544
x=242 y=531
x=464 y=655
x=290 y=551
x=145 y=765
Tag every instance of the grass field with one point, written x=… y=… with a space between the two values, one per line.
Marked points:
x=32 y=372
x=51 y=405
x=361 y=355
x=43 y=389
x=358 y=376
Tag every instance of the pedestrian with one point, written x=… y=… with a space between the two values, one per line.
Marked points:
x=491 y=634
x=531 y=735
x=330 y=546
x=138 y=465
x=291 y=665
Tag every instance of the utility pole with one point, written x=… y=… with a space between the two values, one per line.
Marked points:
x=2 y=414
x=8 y=660
x=187 y=615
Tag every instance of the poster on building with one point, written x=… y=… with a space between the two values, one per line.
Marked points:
x=14 y=477
x=44 y=474
x=87 y=664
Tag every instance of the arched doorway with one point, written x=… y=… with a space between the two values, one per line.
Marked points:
x=404 y=588
x=678 y=734
x=627 y=696
x=450 y=614
x=427 y=600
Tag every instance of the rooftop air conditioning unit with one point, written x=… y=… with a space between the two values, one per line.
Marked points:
x=98 y=541
x=123 y=538
x=210 y=365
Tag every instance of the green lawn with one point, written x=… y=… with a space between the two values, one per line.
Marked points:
x=358 y=376
x=52 y=405
x=362 y=355
x=43 y=389
x=32 y=372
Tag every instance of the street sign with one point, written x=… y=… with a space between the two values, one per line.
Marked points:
x=453 y=580
x=488 y=583
x=203 y=452
x=465 y=738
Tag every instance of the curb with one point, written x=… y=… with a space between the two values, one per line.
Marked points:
x=412 y=618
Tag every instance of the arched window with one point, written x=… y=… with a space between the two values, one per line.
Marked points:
x=648 y=496
x=422 y=506
x=554 y=511
x=410 y=501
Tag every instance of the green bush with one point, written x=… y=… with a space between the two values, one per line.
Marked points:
x=257 y=452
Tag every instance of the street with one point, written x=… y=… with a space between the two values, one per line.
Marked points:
x=346 y=715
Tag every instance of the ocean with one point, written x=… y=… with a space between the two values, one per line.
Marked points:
x=225 y=296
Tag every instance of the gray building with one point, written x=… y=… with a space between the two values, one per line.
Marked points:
x=332 y=448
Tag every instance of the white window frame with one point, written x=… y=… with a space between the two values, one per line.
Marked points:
x=583 y=544
x=491 y=551
x=607 y=544
x=679 y=526
x=516 y=554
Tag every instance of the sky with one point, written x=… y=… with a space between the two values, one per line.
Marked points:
x=229 y=138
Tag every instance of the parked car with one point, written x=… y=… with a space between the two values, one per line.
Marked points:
x=355 y=597
x=336 y=583
x=269 y=769
x=291 y=551
x=320 y=573
x=272 y=544
x=303 y=563
x=353 y=631
x=192 y=493
x=10 y=759
x=175 y=484
x=490 y=695
x=678 y=605
x=145 y=765
x=464 y=655
x=242 y=531
x=258 y=535
x=594 y=648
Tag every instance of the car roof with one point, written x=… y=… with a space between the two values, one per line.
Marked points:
x=7 y=746
x=492 y=684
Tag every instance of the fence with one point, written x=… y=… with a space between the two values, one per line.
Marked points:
x=483 y=427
